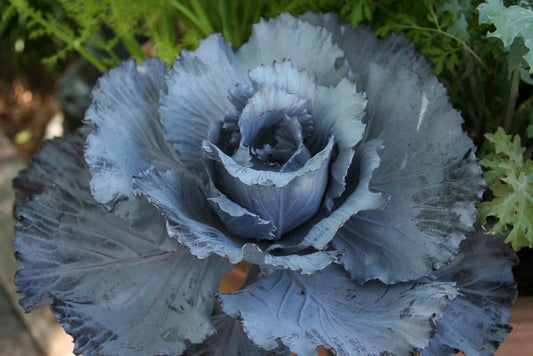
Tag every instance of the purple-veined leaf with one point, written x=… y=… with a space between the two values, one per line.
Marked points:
x=307 y=46
x=330 y=309
x=230 y=340
x=46 y=170
x=190 y=220
x=288 y=199
x=117 y=285
x=476 y=322
x=428 y=168
x=198 y=84
x=128 y=136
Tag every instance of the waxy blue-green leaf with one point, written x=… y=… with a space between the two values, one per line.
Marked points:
x=288 y=199
x=230 y=340
x=428 y=169
x=238 y=220
x=46 y=170
x=198 y=83
x=127 y=136
x=330 y=309
x=323 y=228
x=307 y=47
x=193 y=224
x=189 y=217
x=117 y=285
x=476 y=321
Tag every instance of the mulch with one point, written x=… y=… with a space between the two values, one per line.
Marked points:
x=24 y=114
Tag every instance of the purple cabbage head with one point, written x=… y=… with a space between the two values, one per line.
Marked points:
x=330 y=160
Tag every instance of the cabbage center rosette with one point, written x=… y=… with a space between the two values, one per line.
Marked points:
x=272 y=168
x=312 y=143
x=271 y=162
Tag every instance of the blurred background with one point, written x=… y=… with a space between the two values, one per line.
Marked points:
x=52 y=52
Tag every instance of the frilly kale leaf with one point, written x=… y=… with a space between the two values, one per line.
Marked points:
x=510 y=178
x=511 y=22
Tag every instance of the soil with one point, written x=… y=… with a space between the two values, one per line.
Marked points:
x=24 y=114
x=523 y=272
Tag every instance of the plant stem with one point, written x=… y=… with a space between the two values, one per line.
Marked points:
x=199 y=10
x=224 y=16
x=513 y=96
x=245 y=17
x=478 y=102
x=205 y=30
x=133 y=47
x=489 y=93
x=435 y=19
x=444 y=33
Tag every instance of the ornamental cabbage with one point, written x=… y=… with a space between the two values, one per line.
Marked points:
x=329 y=160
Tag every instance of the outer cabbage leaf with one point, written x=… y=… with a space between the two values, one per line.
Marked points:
x=511 y=22
x=230 y=340
x=128 y=136
x=330 y=309
x=189 y=218
x=198 y=84
x=46 y=170
x=117 y=286
x=428 y=168
x=476 y=322
x=308 y=47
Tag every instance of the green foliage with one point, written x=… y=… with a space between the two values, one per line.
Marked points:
x=510 y=178
x=357 y=11
x=95 y=28
x=511 y=23
x=438 y=28
x=462 y=12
